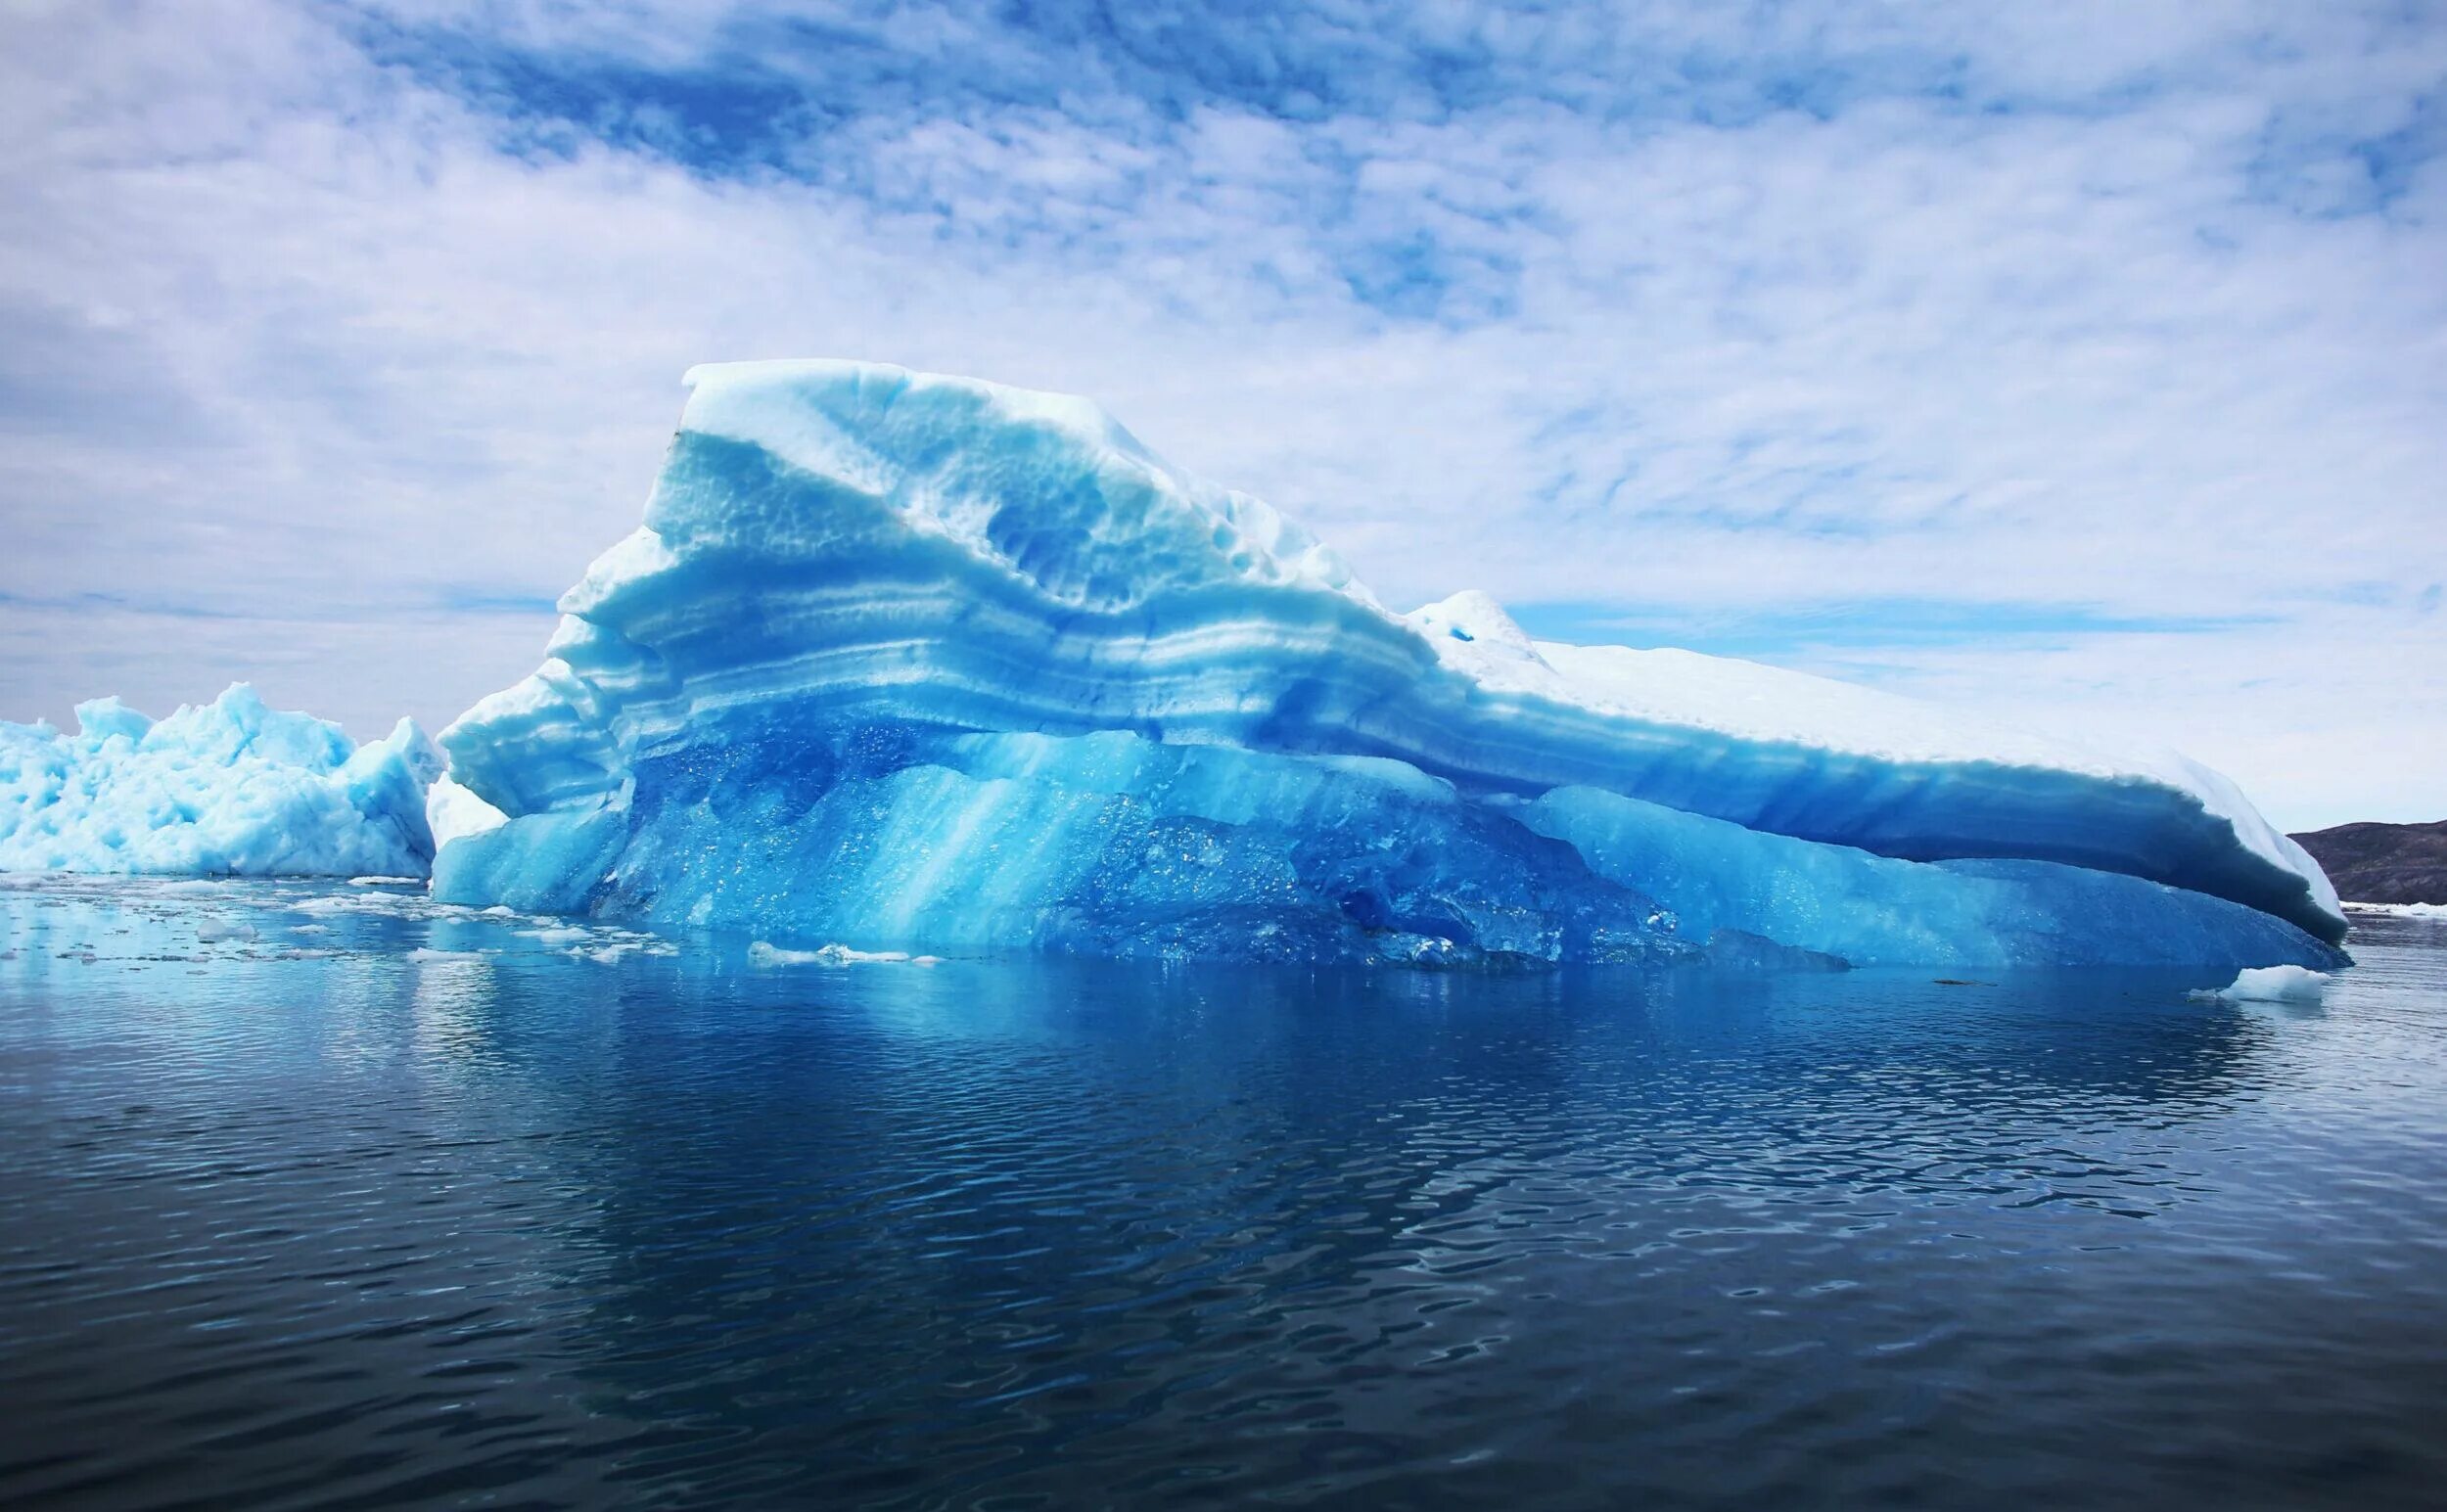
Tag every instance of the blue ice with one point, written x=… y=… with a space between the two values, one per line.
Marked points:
x=226 y=788
x=902 y=661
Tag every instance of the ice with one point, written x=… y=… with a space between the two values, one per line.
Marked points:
x=914 y=662
x=227 y=788
x=451 y=810
x=1876 y=910
x=2401 y=910
x=767 y=953
x=2273 y=985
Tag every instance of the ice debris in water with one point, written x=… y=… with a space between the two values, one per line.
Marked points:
x=230 y=788
x=767 y=953
x=2271 y=985
x=921 y=662
x=2401 y=910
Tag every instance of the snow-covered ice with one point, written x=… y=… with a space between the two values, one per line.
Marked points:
x=227 y=788
x=908 y=663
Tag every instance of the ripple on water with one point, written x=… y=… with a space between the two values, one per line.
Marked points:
x=331 y=1196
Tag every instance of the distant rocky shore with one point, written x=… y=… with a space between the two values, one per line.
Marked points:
x=2383 y=863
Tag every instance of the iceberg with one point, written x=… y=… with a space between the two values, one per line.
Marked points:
x=909 y=663
x=229 y=788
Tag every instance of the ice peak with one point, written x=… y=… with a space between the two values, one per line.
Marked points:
x=1471 y=625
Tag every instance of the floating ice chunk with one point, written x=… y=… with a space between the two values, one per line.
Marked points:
x=2272 y=984
x=762 y=953
x=2401 y=910
x=930 y=662
x=229 y=787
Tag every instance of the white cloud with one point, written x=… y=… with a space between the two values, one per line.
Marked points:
x=286 y=336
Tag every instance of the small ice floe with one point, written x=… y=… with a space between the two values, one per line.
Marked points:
x=558 y=936
x=386 y=882
x=371 y=900
x=2270 y=985
x=762 y=953
x=610 y=955
x=429 y=953
x=2401 y=910
x=215 y=931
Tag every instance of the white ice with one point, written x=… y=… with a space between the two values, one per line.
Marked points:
x=230 y=788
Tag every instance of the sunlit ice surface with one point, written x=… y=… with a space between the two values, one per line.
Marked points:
x=314 y=1194
x=921 y=662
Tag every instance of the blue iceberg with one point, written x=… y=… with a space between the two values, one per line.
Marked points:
x=905 y=661
x=230 y=788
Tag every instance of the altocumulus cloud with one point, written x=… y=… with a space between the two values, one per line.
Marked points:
x=2081 y=363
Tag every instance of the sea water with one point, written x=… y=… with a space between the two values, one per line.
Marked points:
x=326 y=1196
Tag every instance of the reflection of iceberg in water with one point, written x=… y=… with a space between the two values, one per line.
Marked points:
x=307 y=1161
x=1268 y=1184
x=1026 y=1224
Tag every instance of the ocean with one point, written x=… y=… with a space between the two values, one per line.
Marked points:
x=317 y=1195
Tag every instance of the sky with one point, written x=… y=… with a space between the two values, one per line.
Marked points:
x=2083 y=365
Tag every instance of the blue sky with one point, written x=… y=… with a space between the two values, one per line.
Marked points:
x=2085 y=364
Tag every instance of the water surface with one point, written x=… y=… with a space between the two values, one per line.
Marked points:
x=320 y=1196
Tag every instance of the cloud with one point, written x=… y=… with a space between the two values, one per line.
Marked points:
x=360 y=327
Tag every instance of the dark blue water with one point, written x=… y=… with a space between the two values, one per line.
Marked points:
x=297 y=1212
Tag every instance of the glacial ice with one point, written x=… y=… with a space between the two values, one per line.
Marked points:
x=2401 y=910
x=907 y=662
x=2272 y=984
x=228 y=788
